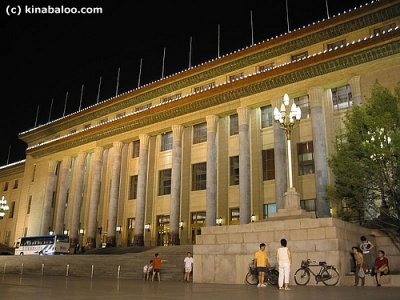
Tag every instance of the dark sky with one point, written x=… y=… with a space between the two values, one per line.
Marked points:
x=44 y=56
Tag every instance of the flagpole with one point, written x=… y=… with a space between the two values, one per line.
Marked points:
x=190 y=52
x=116 y=90
x=98 y=91
x=327 y=8
x=37 y=114
x=140 y=72
x=8 y=156
x=251 y=26
x=80 y=101
x=65 y=104
x=287 y=16
x=163 y=62
x=51 y=107
x=219 y=36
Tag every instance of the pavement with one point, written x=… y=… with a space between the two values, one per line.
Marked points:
x=16 y=287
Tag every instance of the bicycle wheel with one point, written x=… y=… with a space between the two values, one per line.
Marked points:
x=273 y=277
x=332 y=276
x=302 y=276
x=251 y=279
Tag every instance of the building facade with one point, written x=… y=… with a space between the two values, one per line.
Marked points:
x=155 y=164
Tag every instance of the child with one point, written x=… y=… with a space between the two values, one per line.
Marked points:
x=188 y=261
x=147 y=269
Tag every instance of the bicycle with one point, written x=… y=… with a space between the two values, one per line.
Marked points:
x=271 y=276
x=327 y=274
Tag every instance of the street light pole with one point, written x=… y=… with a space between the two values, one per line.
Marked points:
x=3 y=207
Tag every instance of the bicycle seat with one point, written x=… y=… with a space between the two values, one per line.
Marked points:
x=322 y=263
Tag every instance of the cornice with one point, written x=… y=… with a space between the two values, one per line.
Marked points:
x=350 y=56
x=269 y=50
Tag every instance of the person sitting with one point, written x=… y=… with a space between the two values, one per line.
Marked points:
x=147 y=270
x=381 y=266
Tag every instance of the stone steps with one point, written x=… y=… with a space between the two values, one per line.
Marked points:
x=128 y=265
x=392 y=280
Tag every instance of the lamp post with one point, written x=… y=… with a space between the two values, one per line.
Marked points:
x=3 y=207
x=287 y=120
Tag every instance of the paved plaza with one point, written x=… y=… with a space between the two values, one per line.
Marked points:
x=60 y=287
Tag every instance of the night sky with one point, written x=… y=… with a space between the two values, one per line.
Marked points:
x=44 y=56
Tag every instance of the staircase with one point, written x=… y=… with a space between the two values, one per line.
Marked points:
x=127 y=265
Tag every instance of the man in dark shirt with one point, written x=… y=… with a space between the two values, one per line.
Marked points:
x=381 y=266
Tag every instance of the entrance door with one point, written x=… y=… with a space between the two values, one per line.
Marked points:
x=198 y=221
x=131 y=231
x=163 y=233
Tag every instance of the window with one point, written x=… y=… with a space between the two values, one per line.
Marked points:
x=136 y=149
x=308 y=205
x=199 y=133
x=380 y=30
x=266 y=116
x=143 y=107
x=171 y=98
x=265 y=68
x=5 y=186
x=302 y=102
x=341 y=97
x=28 y=211
x=12 y=209
x=234 y=216
x=268 y=164
x=299 y=56
x=165 y=182
x=234 y=170
x=133 y=181
x=199 y=176
x=33 y=173
x=53 y=200
x=305 y=157
x=25 y=231
x=336 y=44
x=268 y=209
x=235 y=76
x=15 y=184
x=204 y=87
x=233 y=124
x=131 y=223
x=166 y=141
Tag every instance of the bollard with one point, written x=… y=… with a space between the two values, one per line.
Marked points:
x=91 y=274
x=67 y=273
x=119 y=270
x=4 y=270
x=42 y=269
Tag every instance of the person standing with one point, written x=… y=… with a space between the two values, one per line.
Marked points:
x=188 y=261
x=366 y=248
x=261 y=262
x=284 y=259
x=381 y=266
x=359 y=258
x=157 y=266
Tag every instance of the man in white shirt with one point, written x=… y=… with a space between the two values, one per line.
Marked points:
x=188 y=261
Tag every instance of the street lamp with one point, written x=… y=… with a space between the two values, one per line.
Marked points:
x=287 y=120
x=3 y=206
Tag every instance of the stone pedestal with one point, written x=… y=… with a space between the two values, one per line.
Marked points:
x=292 y=209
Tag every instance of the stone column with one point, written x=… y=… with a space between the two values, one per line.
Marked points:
x=211 y=191
x=244 y=165
x=355 y=90
x=94 y=197
x=77 y=185
x=320 y=150
x=280 y=166
x=114 y=194
x=138 y=238
x=176 y=184
x=48 y=196
x=62 y=194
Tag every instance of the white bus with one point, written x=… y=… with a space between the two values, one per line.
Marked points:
x=43 y=245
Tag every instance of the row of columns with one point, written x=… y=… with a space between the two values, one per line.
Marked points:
x=321 y=174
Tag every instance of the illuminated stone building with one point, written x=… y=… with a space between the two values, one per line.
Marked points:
x=155 y=164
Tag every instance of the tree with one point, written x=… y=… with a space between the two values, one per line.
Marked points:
x=366 y=164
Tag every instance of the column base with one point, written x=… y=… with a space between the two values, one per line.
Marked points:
x=138 y=240
x=111 y=241
x=174 y=239
x=292 y=209
x=91 y=243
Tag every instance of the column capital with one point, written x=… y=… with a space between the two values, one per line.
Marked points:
x=212 y=121
x=81 y=157
x=117 y=147
x=144 y=141
x=315 y=95
x=243 y=114
x=177 y=132
x=98 y=153
x=355 y=86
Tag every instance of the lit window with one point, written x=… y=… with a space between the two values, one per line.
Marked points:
x=204 y=87
x=234 y=170
x=302 y=102
x=235 y=76
x=199 y=176
x=171 y=98
x=136 y=149
x=299 y=56
x=306 y=158
x=385 y=28
x=234 y=217
x=337 y=44
x=265 y=68
x=165 y=182
x=266 y=116
x=268 y=209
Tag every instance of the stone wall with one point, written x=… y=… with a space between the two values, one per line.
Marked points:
x=222 y=253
